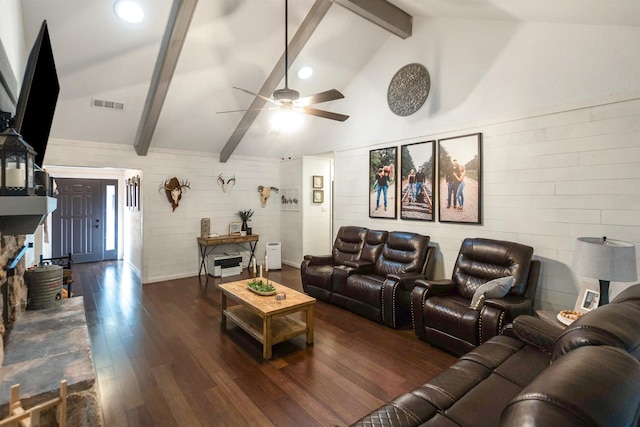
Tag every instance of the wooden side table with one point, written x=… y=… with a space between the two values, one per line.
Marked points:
x=208 y=244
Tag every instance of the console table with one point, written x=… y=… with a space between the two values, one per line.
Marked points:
x=208 y=244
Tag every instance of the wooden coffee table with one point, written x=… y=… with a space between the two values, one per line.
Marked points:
x=265 y=318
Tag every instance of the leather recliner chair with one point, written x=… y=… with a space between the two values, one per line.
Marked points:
x=317 y=271
x=441 y=308
x=378 y=291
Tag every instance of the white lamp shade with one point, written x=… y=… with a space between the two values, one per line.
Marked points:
x=605 y=259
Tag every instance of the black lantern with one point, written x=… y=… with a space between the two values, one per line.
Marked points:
x=16 y=165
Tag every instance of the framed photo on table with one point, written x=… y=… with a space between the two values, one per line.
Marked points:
x=417 y=163
x=590 y=299
x=235 y=228
x=382 y=183
x=460 y=179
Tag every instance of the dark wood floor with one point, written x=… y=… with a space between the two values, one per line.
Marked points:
x=162 y=359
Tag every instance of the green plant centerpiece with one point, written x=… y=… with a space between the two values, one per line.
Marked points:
x=260 y=287
x=245 y=216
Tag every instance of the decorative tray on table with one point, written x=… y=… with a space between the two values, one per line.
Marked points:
x=568 y=316
x=261 y=288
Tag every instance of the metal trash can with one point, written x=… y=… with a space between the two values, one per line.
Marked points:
x=274 y=252
x=45 y=287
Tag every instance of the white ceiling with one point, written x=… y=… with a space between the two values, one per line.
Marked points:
x=235 y=43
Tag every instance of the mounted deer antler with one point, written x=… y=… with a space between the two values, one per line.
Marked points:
x=174 y=189
x=225 y=184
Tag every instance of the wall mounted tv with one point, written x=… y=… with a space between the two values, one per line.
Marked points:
x=38 y=95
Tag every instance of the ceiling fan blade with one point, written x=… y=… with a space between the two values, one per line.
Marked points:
x=250 y=109
x=256 y=95
x=325 y=114
x=328 y=95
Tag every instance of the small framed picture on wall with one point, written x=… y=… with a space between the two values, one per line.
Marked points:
x=460 y=179
x=382 y=183
x=318 y=181
x=318 y=196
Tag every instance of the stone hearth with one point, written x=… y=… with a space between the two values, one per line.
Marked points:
x=44 y=347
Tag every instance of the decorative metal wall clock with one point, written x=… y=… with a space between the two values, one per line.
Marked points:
x=408 y=89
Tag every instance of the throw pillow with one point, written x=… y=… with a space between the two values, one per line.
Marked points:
x=496 y=288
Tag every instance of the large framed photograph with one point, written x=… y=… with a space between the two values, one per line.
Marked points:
x=417 y=163
x=460 y=177
x=382 y=183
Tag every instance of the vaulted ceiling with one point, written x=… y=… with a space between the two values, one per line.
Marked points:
x=234 y=43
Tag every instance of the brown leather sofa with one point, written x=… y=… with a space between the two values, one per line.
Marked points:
x=377 y=283
x=442 y=311
x=535 y=375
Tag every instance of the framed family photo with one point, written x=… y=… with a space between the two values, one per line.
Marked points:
x=460 y=179
x=382 y=183
x=417 y=163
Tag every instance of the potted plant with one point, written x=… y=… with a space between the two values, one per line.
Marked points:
x=245 y=216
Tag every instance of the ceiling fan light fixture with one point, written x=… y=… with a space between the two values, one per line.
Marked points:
x=305 y=72
x=286 y=120
x=128 y=11
x=286 y=95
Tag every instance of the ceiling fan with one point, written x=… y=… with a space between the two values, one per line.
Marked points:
x=289 y=99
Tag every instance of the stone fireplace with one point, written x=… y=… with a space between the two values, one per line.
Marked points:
x=13 y=298
x=41 y=347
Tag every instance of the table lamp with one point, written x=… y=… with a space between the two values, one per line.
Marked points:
x=606 y=260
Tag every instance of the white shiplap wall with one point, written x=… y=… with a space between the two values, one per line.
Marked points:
x=547 y=179
x=169 y=248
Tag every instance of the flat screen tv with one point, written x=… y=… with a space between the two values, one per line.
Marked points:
x=38 y=96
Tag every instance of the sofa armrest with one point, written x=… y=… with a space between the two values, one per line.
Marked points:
x=396 y=298
x=536 y=332
x=512 y=305
x=406 y=280
x=320 y=259
x=590 y=386
x=435 y=287
x=423 y=289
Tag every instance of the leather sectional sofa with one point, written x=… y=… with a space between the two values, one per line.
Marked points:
x=536 y=374
x=370 y=273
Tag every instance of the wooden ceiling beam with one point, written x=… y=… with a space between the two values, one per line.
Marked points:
x=298 y=41
x=182 y=12
x=383 y=14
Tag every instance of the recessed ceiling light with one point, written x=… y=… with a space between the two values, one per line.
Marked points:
x=129 y=11
x=305 y=72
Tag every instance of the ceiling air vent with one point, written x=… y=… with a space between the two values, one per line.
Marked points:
x=109 y=105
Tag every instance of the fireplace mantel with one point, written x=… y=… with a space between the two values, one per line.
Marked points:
x=23 y=214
